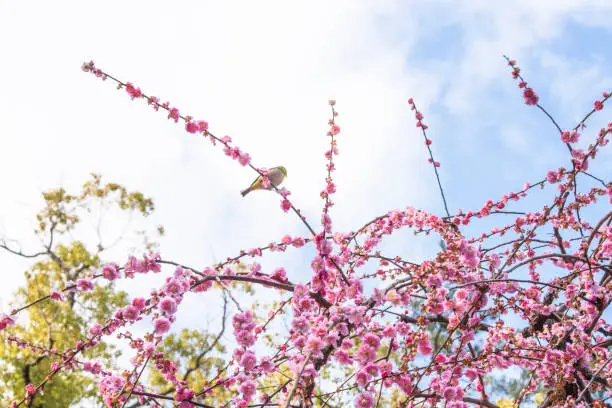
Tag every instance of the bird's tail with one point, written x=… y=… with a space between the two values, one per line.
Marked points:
x=245 y=191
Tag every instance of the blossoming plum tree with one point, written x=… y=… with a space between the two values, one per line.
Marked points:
x=432 y=333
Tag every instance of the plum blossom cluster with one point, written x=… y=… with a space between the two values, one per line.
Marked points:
x=169 y=298
x=529 y=95
x=162 y=305
x=599 y=104
x=428 y=333
x=330 y=186
x=5 y=321
x=245 y=331
x=419 y=118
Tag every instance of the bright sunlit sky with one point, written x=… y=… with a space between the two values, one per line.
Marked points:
x=263 y=72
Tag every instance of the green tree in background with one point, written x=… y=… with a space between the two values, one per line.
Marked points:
x=54 y=326
x=51 y=328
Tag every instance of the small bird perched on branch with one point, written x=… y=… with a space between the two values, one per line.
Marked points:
x=275 y=175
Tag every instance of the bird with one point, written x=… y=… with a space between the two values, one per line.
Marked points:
x=276 y=175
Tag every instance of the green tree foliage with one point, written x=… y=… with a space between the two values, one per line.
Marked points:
x=48 y=328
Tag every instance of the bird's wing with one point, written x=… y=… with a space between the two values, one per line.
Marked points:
x=255 y=182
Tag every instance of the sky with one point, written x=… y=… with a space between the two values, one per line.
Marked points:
x=263 y=72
